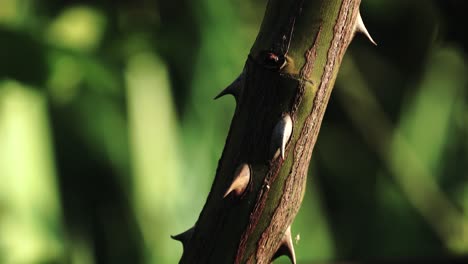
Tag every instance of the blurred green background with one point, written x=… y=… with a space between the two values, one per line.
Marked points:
x=109 y=137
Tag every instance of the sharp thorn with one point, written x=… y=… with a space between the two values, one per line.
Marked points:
x=286 y=134
x=184 y=237
x=232 y=89
x=240 y=182
x=281 y=135
x=228 y=90
x=360 y=27
x=286 y=247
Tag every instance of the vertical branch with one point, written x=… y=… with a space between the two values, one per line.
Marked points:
x=281 y=98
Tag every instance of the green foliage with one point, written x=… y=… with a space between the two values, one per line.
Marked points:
x=109 y=138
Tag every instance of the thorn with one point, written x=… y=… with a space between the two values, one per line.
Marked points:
x=184 y=237
x=232 y=89
x=286 y=247
x=360 y=27
x=281 y=135
x=240 y=182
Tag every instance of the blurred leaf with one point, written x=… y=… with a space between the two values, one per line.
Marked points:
x=30 y=221
x=14 y=13
x=157 y=186
x=65 y=77
x=428 y=116
x=80 y=28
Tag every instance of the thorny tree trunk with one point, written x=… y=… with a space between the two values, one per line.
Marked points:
x=281 y=98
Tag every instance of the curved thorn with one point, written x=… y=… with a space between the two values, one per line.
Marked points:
x=232 y=89
x=286 y=134
x=240 y=182
x=360 y=27
x=286 y=247
x=184 y=237
x=281 y=135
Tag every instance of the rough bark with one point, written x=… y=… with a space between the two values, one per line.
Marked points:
x=287 y=79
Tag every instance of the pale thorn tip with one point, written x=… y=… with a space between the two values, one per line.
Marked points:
x=281 y=135
x=360 y=27
x=240 y=182
x=286 y=246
